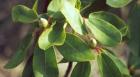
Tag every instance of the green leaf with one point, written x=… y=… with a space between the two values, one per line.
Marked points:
x=54 y=9
x=118 y=3
x=35 y=6
x=122 y=67
x=39 y=63
x=78 y=4
x=82 y=69
x=85 y=3
x=112 y=19
x=21 y=13
x=44 y=63
x=52 y=36
x=51 y=63
x=75 y=49
x=28 y=69
x=54 y=12
x=111 y=66
x=134 y=40
x=133 y=21
x=73 y=17
x=107 y=67
x=21 y=52
x=103 y=31
x=73 y=2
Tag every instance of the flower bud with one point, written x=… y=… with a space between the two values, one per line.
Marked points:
x=43 y=22
x=93 y=42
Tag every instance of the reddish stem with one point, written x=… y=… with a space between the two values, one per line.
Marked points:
x=98 y=49
x=49 y=20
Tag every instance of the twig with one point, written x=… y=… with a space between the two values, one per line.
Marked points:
x=68 y=69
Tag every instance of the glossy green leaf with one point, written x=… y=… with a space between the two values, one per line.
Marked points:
x=73 y=2
x=111 y=66
x=75 y=49
x=82 y=69
x=134 y=39
x=54 y=12
x=78 y=4
x=52 y=36
x=133 y=21
x=39 y=63
x=118 y=3
x=28 y=69
x=104 y=32
x=44 y=63
x=85 y=3
x=112 y=19
x=54 y=9
x=107 y=67
x=122 y=67
x=73 y=17
x=35 y=6
x=21 y=52
x=51 y=63
x=21 y=13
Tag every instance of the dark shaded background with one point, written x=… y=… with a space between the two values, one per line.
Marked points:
x=10 y=35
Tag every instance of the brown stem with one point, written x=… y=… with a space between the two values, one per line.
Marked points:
x=68 y=69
